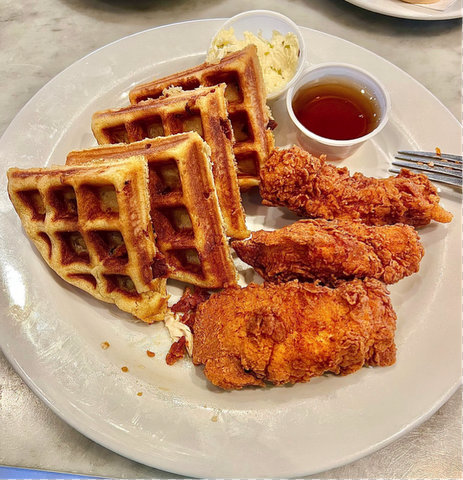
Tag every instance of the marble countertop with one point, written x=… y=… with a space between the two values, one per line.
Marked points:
x=39 y=39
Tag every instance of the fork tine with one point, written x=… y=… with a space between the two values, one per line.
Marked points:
x=429 y=168
x=442 y=168
x=437 y=177
x=431 y=161
x=433 y=155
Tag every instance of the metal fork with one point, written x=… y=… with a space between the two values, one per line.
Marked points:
x=439 y=167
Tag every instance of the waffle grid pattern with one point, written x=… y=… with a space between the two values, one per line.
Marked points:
x=202 y=111
x=85 y=223
x=245 y=94
x=184 y=207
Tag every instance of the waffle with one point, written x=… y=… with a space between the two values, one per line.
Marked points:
x=184 y=208
x=245 y=93
x=91 y=226
x=202 y=110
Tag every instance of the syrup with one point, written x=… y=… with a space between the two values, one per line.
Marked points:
x=336 y=109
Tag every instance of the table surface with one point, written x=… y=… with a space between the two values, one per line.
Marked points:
x=39 y=39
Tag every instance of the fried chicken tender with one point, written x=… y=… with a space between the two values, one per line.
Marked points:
x=330 y=250
x=292 y=332
x=313 y=188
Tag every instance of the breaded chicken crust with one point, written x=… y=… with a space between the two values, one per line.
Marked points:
x=333 y=249
x=292 y=332
x=313 y=188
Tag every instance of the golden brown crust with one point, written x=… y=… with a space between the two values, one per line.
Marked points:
x=202 y=110
x=184 y=206
x=331 y=250
x=92 y=226
x=313 y=188
x=292 y=332
x=246 y=105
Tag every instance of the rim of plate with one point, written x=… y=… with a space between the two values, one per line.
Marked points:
x=412 y=15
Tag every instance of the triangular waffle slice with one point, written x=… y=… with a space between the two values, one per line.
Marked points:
x=91 y=224
x=184 y=207
x=202 y=110
x=245 y=94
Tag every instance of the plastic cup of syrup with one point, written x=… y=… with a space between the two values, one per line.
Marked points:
x=336 y=108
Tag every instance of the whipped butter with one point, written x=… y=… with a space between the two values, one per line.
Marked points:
x=177 y=329
x=278 y=57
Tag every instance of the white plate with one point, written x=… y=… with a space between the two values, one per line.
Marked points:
x=396 y=8
x=51 y=332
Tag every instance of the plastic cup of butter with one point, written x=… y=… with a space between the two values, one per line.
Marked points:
x=336 y=108
x=265 y=22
